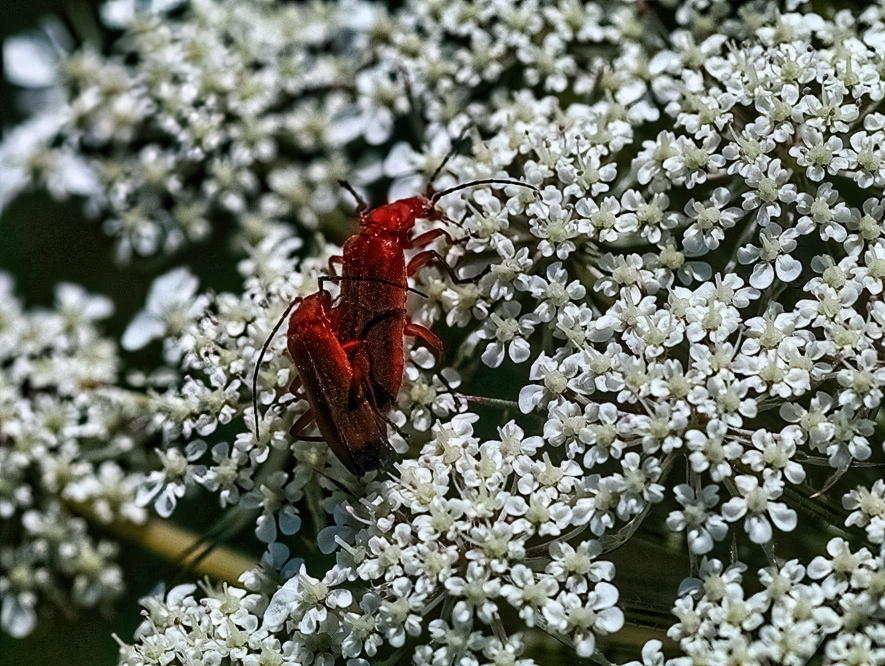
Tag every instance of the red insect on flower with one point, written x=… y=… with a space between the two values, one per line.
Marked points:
x=350 y=357
x=336 y=392
x=349 y=423
x=372 y=302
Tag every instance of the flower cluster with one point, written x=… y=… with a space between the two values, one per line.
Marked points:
x=67 y=431
x=786 y=621
x=209 y=104
x=684 y=312
x=420 y=541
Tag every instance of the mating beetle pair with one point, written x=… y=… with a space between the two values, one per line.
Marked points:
x=349 y=355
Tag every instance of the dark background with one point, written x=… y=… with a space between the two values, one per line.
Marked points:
x=43 y=242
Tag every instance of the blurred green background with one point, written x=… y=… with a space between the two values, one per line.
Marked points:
x=43 y=243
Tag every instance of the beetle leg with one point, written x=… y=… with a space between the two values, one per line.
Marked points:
x=336 y=260
x=359 y=365
x=301 y=424
x=428 y=257
x=419 y=331
x=427 y=237
x=360 y=385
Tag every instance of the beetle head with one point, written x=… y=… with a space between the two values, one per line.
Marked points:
x=398 y=217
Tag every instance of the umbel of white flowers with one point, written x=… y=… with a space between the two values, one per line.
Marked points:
x=685 y=322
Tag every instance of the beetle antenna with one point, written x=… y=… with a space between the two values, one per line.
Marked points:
x=340 y=484
x=416 y=116
x=445 y=160
x=484 y=181
x=456 y=144
x=356 y=195
x=261 y=357
x=500 y=403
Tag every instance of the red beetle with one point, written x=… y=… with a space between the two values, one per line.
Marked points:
x=336 y=392
x=373 y=293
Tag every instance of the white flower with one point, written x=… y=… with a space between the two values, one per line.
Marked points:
x=823 y=211
x=709 y=220
x=755 y=502
x=649 y=162
x=863 y=380
x=770 y=188
x=647 y=215
x=601 y=434
x=703 y=527
x=171 y=303
x=554 y=224
x=872 y=273
x=691 y=164
x=17 y=606
x=304 y=601
x=819 y=156
x=503 y=274
x=120 y=13
x=554 y=292
x=529 y=593
x=576 y=566
x=776 y=244
x=556 y=375
x=866 y=155
x=583 y=620
x=477 y=590
x=507 y=332
x=601 y=221
x=166 y=486
x=773 y=454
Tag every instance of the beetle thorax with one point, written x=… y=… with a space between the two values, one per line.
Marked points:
x=398 y=217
